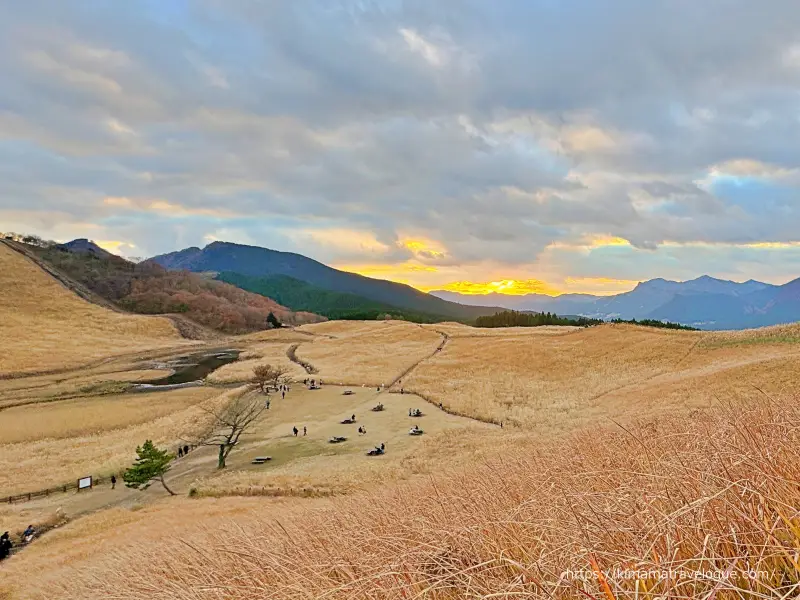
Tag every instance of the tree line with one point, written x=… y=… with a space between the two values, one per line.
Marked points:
x=654 y=323
x=513 y=318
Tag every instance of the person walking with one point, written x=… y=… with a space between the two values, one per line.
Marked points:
x=283 y=395
x=294 y=430
x=185 y=450
x=113 y=481
x=304 y=430
x=180 y=451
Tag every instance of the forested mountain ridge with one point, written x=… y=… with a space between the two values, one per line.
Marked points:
x=254 y=261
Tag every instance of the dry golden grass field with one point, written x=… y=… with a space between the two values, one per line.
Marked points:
x=45 y=326
x=621 y=447
x=588 y=376
x=461 y=330
x=367 y=353
x=63 y=457
x=265 y=347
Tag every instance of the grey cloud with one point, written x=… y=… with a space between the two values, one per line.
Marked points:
x=291 y=112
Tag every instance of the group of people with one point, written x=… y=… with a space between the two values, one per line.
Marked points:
x=312 y=384
x=362 y=430
x=295 y=430
x=283 y=388
x=414 y=412
x=6 y=544
x=183 y=450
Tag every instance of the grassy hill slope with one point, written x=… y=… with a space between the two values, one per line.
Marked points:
x=44 y=325
x=148 y=288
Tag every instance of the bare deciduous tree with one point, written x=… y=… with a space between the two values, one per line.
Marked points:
x=267 y=376
x=231 y=422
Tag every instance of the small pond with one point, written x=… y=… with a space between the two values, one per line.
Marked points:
x=195 y=367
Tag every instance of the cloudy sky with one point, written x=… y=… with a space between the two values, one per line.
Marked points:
x=569 y=145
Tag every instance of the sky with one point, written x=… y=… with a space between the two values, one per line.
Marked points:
x=520 y=146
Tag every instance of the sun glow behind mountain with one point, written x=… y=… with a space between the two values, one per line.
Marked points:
x=512 y=287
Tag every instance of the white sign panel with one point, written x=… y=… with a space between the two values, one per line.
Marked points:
x=85 y=482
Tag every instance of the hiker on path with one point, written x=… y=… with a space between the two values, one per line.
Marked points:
x=180 y=451
x=267 y=404
x=294 y=429
x=304 y=430
x=113 y=481
x=283 y=395
x=185 y=450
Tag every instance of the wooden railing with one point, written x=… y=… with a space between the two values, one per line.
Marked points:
x=61 y=489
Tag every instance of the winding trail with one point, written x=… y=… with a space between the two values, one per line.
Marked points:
x=291 y=354
x=429 y=400
x=650 y=377
x=442 y=344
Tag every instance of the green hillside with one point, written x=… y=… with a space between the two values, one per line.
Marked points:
x=303 y=296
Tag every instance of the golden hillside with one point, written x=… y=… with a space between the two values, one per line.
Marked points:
x=45 y=326
x=629 y=446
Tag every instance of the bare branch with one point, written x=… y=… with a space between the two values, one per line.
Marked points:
x=231 y=422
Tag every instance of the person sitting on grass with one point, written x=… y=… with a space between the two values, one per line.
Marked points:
x=5 y=546
x=28 y=534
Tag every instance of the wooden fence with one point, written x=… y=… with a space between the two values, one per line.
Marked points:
x=61 y=489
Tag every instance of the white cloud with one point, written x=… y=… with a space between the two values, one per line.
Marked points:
x=433 y=54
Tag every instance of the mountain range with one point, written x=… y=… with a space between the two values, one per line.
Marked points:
x=303 y=284
x=705 y=302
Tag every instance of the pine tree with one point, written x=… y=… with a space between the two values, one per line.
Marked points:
x=151 y=463
x=272 y=321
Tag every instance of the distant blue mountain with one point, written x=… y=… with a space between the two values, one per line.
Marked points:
x=705 y=302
